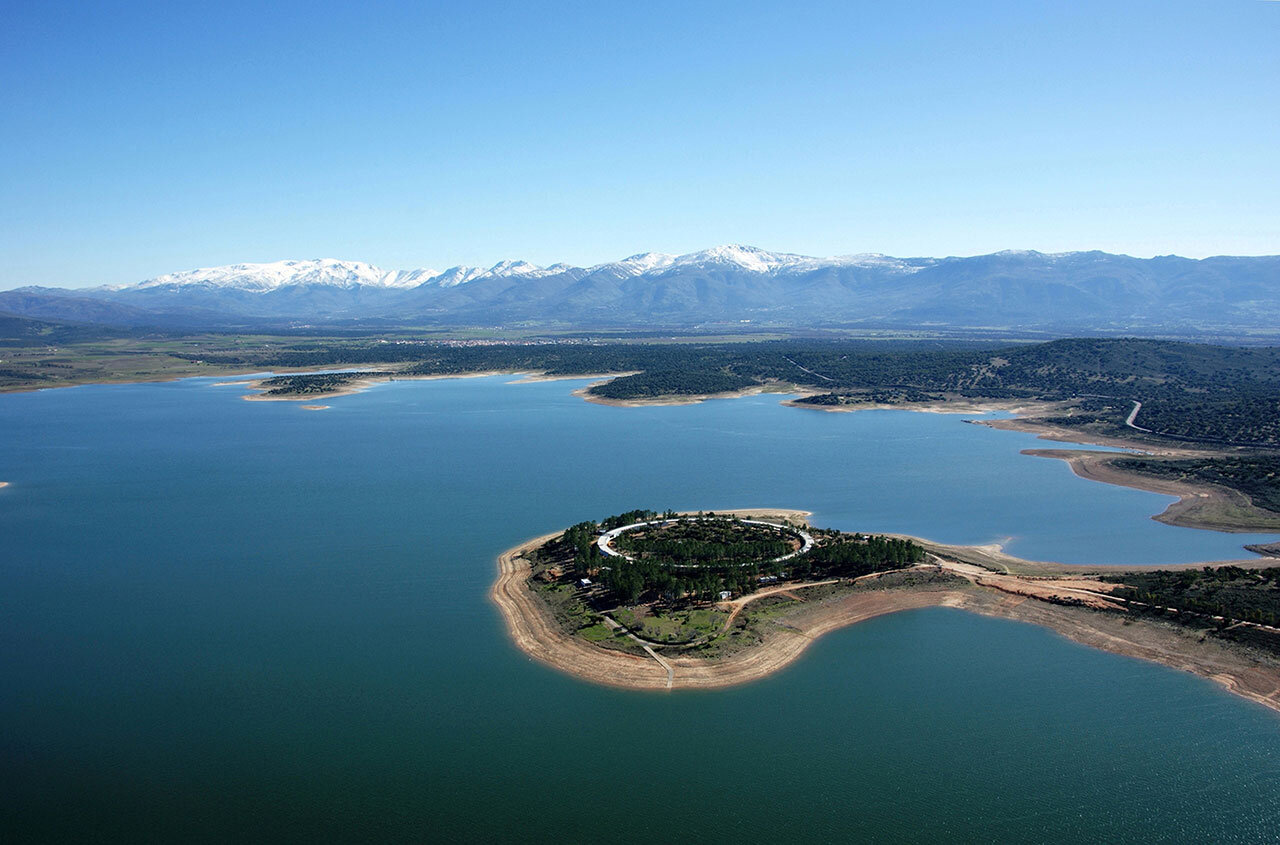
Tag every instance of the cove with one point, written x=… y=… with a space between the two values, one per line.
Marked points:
x=226 y=619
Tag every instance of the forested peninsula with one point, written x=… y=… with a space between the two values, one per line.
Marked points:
x=664 y=601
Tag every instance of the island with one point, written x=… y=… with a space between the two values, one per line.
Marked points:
x=665 y=601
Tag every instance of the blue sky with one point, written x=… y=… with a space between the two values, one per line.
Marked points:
x=145 y=138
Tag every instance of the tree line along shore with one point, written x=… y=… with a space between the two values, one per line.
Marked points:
x=729 y=622
x=1206 y=418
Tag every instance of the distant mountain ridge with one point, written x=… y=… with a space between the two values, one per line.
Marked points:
x=333 y=272
x=726 y=285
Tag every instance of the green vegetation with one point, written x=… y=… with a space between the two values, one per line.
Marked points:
x=1194 y=597
x=631 y=517
x=1188 y=391
x=668 y=594
x=21 y=331
x=674 y=626
x=1196 y=392
x=839 y=555
x=901 y=396
x=695 y=560
x=1256 y=476
x=652 y=383
x=1238 y=594
x=580 y=539
x=1212 y=395
x=713 y=541
x=312 y=383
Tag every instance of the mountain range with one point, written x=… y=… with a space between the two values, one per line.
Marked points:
x=728 y=285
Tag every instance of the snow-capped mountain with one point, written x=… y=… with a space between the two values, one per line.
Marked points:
x=638 y=265
x=332 y=272
x=277 y=274
x=731 y=284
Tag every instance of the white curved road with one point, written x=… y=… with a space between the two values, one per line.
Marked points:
x=607 y=538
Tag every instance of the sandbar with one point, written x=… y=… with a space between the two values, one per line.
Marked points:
x=382 y=377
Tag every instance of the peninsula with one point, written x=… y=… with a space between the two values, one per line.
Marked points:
x=644 y=600
x=1200 y=420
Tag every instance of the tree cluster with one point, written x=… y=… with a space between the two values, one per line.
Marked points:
x=1232 y=592
x=708 y=541
x=848 y=556
x=1193 y=391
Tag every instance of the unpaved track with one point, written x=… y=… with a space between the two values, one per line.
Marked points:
x=984 y=592
x=671 y=674
x=737 y=604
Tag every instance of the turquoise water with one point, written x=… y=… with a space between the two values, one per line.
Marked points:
x=232 y=620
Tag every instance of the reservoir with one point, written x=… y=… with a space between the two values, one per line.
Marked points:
x=223 y=619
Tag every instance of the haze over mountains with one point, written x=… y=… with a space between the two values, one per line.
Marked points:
x=727 y=285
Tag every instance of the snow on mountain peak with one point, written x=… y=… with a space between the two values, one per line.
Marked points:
x=748 y=258
x=277 y=274
x=639 y=264
x=265 y=277
x=516 y=268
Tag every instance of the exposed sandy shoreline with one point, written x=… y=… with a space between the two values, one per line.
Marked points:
x=960 y=406
x=534 y=631
x=355 y=386
x=531 y=378
x=4 y=484
x=1049 y=431
x=362 y=384
x=994 y=558
x=524 y=377
x=1199 y=505
x=687 y=399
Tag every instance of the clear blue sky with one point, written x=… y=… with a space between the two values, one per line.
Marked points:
x=140 y=138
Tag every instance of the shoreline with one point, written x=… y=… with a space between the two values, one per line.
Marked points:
x=1032 y=600
x=992 y=558
x=1059 y=434
x=1202 y=505
x=673 y=401
x=360 y=385
x=963 y=406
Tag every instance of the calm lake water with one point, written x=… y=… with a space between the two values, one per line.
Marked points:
x=241 y=620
